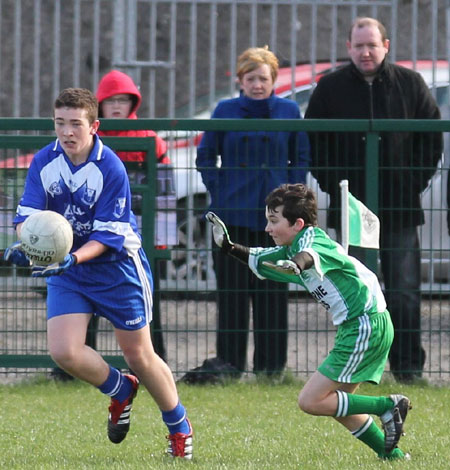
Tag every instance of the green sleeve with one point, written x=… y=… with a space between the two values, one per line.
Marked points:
x=258 y=255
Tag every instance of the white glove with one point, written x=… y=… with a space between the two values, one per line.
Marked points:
x=220 y=232
x=284 y=266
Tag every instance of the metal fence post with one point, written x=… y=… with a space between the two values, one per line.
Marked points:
x=371 y=176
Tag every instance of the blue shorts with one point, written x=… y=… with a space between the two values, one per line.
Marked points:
x=120 y=291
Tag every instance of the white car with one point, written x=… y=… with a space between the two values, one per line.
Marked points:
x=191 y=266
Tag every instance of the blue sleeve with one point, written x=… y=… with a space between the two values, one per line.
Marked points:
x=209 y=148
x=112 y=215
x=34 y=196
x=206 y=161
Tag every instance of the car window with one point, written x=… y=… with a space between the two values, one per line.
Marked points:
x=302 y=95
x=443 y=100
x=302 y=99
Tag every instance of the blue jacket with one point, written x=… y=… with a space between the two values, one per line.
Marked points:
x=252 y=163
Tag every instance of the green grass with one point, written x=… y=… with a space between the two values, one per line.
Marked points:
x=47 y=425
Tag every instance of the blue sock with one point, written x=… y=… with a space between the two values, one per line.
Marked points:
x=116 y=385
x=176 y=420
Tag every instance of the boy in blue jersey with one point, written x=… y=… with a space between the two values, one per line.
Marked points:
x=106 y=273
x=352 y=295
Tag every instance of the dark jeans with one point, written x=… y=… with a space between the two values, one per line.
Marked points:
x=237 y=287
x=400 y=266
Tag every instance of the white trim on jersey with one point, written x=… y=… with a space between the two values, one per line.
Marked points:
x=370 y=280
x=26 y=211
x=99 y=153
x=317 y=267
x=252 y=259
x=132 y=242
x=89 y=175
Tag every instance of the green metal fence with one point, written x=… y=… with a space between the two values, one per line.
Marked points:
x=185 y=308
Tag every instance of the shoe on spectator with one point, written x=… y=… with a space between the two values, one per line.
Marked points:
x=212 y=371
x=410 y=378
x=393 y=421
x=119 y=414
x=180 y=444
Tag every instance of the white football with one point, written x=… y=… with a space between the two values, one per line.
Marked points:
x=46 y=237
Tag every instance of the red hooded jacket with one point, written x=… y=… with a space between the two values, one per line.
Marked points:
x=117 y=83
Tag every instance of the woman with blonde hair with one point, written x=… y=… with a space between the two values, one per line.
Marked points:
x=252 y=163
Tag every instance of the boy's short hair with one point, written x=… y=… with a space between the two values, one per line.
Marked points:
x=78 y=98
x=298 y=201
x=253 y=58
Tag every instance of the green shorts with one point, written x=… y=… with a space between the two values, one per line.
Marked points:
x=360 y=350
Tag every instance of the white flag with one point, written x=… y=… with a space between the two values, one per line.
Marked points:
x=360 y=227
x=364 y=225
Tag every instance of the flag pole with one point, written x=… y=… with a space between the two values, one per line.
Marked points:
x=344 y=215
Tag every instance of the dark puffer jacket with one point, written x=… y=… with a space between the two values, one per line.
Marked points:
x=407 y=160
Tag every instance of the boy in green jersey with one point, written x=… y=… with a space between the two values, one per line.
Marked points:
x=352 y=295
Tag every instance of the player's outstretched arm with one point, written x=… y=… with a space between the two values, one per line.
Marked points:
x=295 y=266
x=222 y=239
x=283 y=266
x=88 y=251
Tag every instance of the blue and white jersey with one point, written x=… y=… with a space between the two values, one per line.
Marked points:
x=94 y=197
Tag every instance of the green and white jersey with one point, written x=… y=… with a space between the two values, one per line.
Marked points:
x=341 y=283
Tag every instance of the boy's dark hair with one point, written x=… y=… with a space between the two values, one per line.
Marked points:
x=298 y=201
x=78 y=98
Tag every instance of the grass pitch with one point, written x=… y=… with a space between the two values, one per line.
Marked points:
x=257 y=425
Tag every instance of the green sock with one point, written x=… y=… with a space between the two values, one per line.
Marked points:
x=349 y=404
x=395 y=454
x=371 y=435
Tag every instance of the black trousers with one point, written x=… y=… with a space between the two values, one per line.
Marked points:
x=237 y=288
x=400 y=266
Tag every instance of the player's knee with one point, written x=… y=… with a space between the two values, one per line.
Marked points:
x=307 y=403
x=137 y=358
x=64 y=357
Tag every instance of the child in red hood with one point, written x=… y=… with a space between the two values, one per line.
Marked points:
x=119 y=97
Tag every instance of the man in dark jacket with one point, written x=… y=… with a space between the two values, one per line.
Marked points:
x=372 y=88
